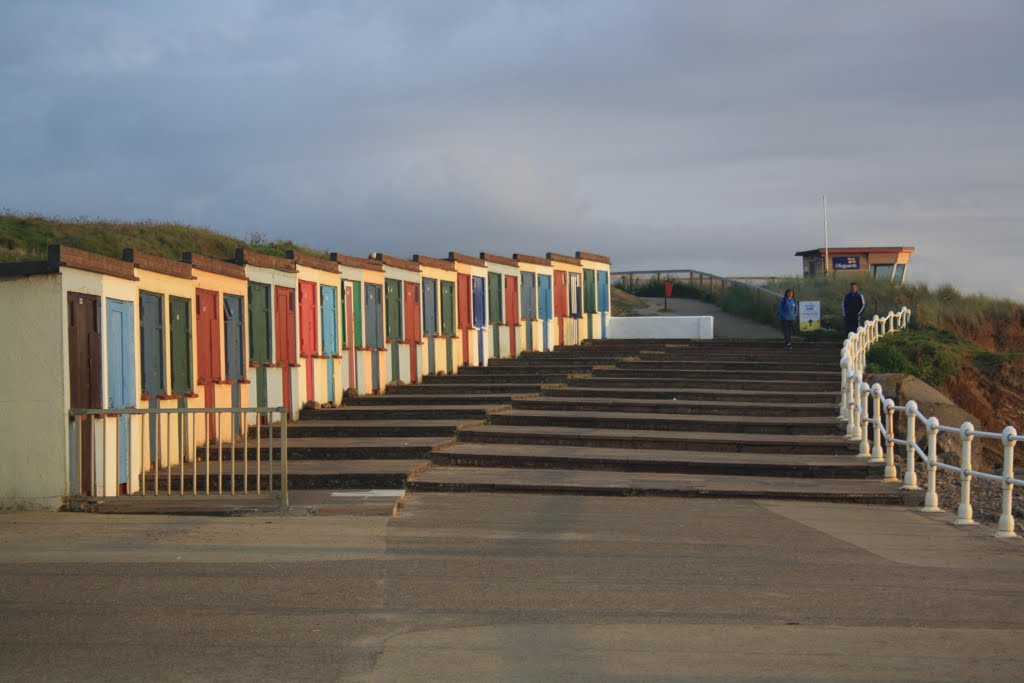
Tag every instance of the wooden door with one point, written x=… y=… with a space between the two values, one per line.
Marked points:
x=512 y=311
x=121 y=377
x=602 y=300
x=374 y=331
x=465 y=305
x=413 y=335
x=151 y=339
x=307 y=333
x=544 y=307
x=284 y=340
x=528 y=293
x=208 y=351
x=85 y=368
x=561 y=302
x=448 y=321
x=234 y=352
x=479 y=315
x=348 y=298
x=589 y=299
x=329 y=333
x=181 y=346
x=430 y=327
x=260 y=336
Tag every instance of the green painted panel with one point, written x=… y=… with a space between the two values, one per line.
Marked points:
x=393 y=309
x=448 y=309
x=589 y=291
x=259 y=323
x=495 y=311
x=181 y=345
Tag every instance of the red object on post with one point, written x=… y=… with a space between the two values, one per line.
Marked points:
x=668 y=288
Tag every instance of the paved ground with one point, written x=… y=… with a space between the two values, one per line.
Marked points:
x=514 y=587
x=727 y=326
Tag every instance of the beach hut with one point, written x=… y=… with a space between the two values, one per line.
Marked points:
x=442 y=353
x=568 y=297
x=403 y=325
x=596 y=295
x=71 y=343
x=273 y=328
x=536 y=304
x=471 y=305
x=503 y=304
x=319 y=353
x=362 y=324
x=221 y=340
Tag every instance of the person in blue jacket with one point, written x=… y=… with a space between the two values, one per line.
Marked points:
x=787 y=316
x=853 y=306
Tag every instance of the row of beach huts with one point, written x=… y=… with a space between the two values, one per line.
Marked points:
x=86 y=331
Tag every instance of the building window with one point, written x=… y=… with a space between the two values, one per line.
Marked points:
x=899 y=273
x=882 y=272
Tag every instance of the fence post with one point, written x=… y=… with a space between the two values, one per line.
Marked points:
x=865 y=403
x=844 y=366
x=1006 y=523
x=910 y=476
x=855 y=407
x=890 y=455
x=876 y=447
x=965 y=513
x=931 y=498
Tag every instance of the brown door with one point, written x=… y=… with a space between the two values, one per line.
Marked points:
x=465 y=307
x=85 y=371
x=413 y=332
x=561 y=303
x=208 y=351
x=284 y=339
x=350 y=336
x=307 y=333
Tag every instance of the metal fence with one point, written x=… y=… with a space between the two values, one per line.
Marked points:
x=870 y=420
x=194 y=452
x=706 y=282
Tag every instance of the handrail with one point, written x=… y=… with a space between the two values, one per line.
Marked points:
x=701 y=275
x=177 y=451
x=861 y=408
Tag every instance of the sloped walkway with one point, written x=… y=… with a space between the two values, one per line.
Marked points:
x=727 y=326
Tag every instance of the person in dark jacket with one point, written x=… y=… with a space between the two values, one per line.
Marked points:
x=853 y=306
x=787 y=316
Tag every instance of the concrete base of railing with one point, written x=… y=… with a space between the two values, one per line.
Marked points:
x=662 y=327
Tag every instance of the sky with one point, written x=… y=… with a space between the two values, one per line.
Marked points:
x=665 y=134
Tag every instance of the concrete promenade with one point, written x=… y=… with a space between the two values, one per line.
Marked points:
x=514 y=587
x=727 y=326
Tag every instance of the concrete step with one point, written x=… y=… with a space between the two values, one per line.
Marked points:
x=344 y=448
x=575 y=482
x=779 y=355
x=762 y=364
x=549 y=359
x=816 y=426
x=712 y=382
x=426 y=398
x=368 y=428
x=531 y=369
x=400 y=412
x=665 y=440
x=615 y=390
x=302 y=474
x=653 y=460
x=712 y=372
x=676 y=407
x=464 y=388
x=496 y=379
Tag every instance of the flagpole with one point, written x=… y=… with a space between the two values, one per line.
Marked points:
x=824 y=206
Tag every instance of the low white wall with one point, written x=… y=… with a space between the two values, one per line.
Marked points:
x=662 y=327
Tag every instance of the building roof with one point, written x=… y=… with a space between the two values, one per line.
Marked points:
x=855 y=250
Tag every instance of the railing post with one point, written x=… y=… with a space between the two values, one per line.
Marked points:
x=865 y=403
x=1006 y=523
x=844 y=369
x=965 y=513
x=876 y=447
x=855 y=408
x=931 y=498
x=910 y=476
x=890 y=455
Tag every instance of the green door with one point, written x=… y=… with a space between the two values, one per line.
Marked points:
x=357 y=315
x=259 y=336
x=393 y=309
x=494 y=310
x=448 y=320
x=181 y=346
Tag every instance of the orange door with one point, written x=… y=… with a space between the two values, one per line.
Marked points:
x=465 y=296
x=561 y=297
x=284 y=339
x=208 y=349
x=413 y=330
x=307 y=332
x=512 y=310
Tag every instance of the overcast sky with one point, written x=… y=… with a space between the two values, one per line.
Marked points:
x=664 y=134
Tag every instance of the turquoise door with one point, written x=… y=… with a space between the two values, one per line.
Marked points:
x=544 y=306
x=329 y=332
x=121 y=376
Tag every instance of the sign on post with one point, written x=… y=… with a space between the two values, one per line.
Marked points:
x=810 y=315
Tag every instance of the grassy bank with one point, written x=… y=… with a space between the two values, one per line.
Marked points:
x=24 y=237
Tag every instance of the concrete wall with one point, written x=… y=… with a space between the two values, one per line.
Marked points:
x=662 y=327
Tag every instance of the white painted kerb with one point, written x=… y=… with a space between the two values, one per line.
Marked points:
x=662 y=327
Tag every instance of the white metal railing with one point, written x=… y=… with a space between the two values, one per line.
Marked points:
x=196 y=452
x=866 y=409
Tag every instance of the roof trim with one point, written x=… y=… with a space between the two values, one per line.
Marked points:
x=59 y=256
x=587 y=256
x=356 y=262
x=210 y=265
x=310 y=261
x=456 y=257
x=395 y=262
x=534 y=260
x=248 y=257
x=562 y=258
x=431 y=262
x=500 y=260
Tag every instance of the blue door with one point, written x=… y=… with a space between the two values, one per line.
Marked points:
x=429 y=311
x=544 y=305
x=121 y=375
x=234 y=352
x=528 y=295
x=329 y=332
x=602 y=301
x=374 y=322
x=480 y=314
x=151 y=342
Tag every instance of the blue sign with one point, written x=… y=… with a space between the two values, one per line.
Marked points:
x=846 y=263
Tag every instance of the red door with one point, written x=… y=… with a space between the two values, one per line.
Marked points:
x=307 y=331
x=512 y=310
x=208 y=350
x=350 y=337
x=284 y=339
x=561 y=297
x=413 y=326
x=465 y=296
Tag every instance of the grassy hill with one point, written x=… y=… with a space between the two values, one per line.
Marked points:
x=24 y=237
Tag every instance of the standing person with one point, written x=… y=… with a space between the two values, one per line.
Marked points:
x=787 y=316
x=853 y=307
